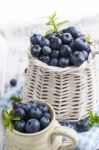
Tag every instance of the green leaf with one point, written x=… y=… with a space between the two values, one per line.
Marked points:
x=49 y=31
x=62 y=23
x=15 y=99
x=11 y=126
x=6 y=115
x=89 y=39
x=6 y=123
x=15 y=118
x=53 y=15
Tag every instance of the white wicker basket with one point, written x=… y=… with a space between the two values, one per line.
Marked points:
x=71 y=91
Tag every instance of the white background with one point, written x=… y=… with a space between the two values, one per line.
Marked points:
x=23 y=11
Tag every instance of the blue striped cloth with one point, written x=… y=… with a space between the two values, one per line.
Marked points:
x=87 y=140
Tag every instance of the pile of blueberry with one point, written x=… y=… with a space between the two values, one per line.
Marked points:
x=34 y=117
x=79 y=126
x=66 y=48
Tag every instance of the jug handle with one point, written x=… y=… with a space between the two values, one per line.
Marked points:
x=72 y=137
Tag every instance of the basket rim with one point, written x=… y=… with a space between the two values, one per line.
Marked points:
x=39 y=63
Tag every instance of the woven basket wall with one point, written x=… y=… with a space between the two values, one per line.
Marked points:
x=71 y=91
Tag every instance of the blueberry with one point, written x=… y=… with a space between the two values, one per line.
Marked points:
x=63 y=62
x=72 y=125
x=44 y=122
x=73 y=32
x=13 y=82
x=47 y=115
x=59 y=35
x=45 y=59
x=27 y=107
x=17 y=105
x=44 y=42
x=83 y=125
x=56 y=43
x=32 y=126
x=77 y=58
x=19 y=125
x=55 y=54
x=50 y=35
x=85 y=54
x=35 y=50
x=46 y=50
x=81 y=45
x=44 y=108
x=25 y=70
x=67 y=38
x=35 y=39
x=65 y=51
x=19 y=112
x=54 y=62
x=35 y=113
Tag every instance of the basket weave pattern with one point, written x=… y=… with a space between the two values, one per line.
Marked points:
x=71 y=91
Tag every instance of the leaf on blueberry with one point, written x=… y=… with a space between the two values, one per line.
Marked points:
x=8 y=119
x=94 y=119
x=89 y=40
x=55 y=26
x=15 y=99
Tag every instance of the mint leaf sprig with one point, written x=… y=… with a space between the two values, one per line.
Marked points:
x=94 y=119
x=8 y=118
x=55 y=25
x=15 y=99
x=89 y=39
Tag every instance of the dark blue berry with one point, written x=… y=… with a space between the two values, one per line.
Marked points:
x=19 y=112
x=81 y=45
x=46 y=50
x=32 y=126
x=17 y=105
x=65 y=51
x=54 y=62
x=44 y=42
x=50 y=35
x=67 y=38
x=35 y=39
x=13 y=82
x=44 y=122
x=55 y=54
x=73 y=32
x=35 y=113
x=85 y=54
x=44 y=108
x=19 y=125
x=63 y=62
x=56 y=43
x=47 y=115
x=77 y=58
x=45 y=59
x=35 y=50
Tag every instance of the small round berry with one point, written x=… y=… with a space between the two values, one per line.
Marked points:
x=65 y=51
x=54 y=62
x=77 y=58
x=35 y=50
x=19 y=112
x=46 y=50
x=55 y=54
x=35 y=113
x=45 y=59
x=13 y=82
x=44 y=122
x=35 y=39
x=67 y=38
x=32 y=126
x=63 y=62
x=44 y=42
x=56 y=43
x=19 y=125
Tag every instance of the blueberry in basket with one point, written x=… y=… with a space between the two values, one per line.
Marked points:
x=61 y=48
x=28 y=117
